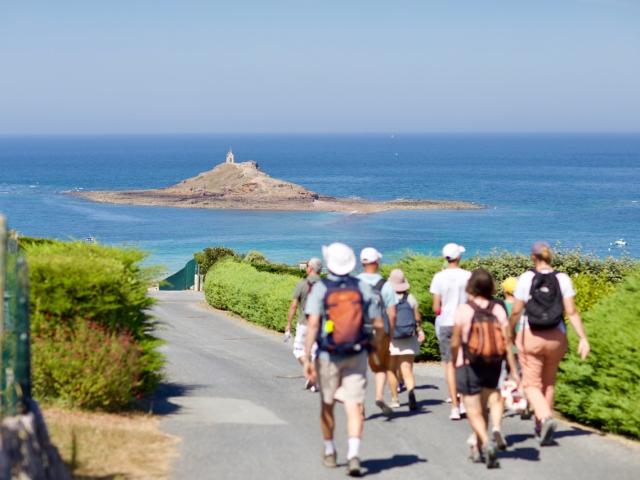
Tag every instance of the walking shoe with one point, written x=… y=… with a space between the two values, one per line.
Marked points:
x=330 y=460
x=455 y=414
x=448 y=400
x=475 y=454
x=386 y=411
x=499 y=439
x=307 y=384
x=546 y=432
x=413 y=405
x=313 y=388
x=394 y=403
x=463 y=411
x=537 y=429
x=491 y=456
x=353 y=467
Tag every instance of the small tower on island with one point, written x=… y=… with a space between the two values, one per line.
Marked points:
x=230 y=157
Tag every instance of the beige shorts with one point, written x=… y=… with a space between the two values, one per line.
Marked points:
x=349 y=374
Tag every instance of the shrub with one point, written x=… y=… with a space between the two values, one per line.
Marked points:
x=604 y=391
x=74 y=284
x=255 y=257
x=87 y=367
x=210 y=256
x=260 y=297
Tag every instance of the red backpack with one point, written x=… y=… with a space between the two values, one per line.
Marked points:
x=486 y=344
x=342 y=330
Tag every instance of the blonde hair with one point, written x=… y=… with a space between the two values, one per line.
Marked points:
x=545 y=254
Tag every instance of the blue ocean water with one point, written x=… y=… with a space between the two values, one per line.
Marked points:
x=576 y=190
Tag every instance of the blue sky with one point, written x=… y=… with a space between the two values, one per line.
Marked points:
x=187 y=66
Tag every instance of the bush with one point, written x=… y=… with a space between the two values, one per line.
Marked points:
x=255 y=257
x=75 y=284
x=259 y=297
x=604 y=391
x=210 y=256
x=86 y=367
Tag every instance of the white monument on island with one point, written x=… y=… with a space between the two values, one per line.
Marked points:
x=230 y=158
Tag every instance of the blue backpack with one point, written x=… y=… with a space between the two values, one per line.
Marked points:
x=405 y=319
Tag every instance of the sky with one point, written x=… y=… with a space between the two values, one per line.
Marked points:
x=294 y=66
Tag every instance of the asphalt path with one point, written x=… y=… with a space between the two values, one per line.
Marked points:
x=235 y=397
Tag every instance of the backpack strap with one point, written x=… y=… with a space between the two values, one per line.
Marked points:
x=378 y=286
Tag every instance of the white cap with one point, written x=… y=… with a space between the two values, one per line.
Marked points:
x=451 y=251
x=315 y=264
x=339 y=258
x=370 y=255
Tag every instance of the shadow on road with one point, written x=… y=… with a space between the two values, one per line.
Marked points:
x=378 y=465
x=574 y=432
x=522 y=453
x=159 y=403
x=427 y=386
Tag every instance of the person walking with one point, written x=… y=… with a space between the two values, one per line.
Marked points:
x=543 y=297
x=370 y=260
x=448 y=291
x=298 y=302
x=479 y=345
x=342 y=313
x=407 y=337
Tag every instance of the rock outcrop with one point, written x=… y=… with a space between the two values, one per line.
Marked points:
x=244 y=186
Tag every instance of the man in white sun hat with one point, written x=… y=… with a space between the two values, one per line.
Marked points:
x=386 y=296
x=341 y=313
x=448 y=290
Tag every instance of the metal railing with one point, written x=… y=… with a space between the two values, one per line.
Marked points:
x=15 y=358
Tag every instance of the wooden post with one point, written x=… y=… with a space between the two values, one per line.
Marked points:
x=3 y=312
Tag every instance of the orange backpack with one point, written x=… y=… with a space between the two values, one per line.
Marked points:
x=486 y=344
x=343 y=327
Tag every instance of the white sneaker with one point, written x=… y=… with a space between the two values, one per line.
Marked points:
x=394 y=404
x=463 y=411
x=448 y=400
x=455 y=414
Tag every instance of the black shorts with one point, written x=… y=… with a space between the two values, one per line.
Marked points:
x=471 y=379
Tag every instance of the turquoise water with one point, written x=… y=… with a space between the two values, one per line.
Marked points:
x=577 y=190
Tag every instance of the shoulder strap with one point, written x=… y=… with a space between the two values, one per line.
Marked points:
x=378 y=286
x=405 y=297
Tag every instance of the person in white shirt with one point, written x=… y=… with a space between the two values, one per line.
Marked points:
x=448 y=290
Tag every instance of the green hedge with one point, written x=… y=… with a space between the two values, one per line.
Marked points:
x=604 y=391
x=83 y=294
x=260 y=297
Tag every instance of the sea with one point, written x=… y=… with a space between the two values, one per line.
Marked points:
x=577 y=191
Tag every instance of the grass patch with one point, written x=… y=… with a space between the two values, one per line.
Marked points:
x=109 y=446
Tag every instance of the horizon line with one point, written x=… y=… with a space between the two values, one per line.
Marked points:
x=338 y=133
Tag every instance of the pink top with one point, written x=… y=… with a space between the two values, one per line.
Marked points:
x=463 y=316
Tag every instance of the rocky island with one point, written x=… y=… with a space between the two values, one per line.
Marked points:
x=244 y=186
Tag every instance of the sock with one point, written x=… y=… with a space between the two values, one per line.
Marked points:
x=354 y=448
x=329 y=447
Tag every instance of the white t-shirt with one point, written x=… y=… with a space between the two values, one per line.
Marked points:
x=450 y=284
x=523 y=289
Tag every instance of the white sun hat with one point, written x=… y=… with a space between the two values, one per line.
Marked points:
x=451 y=251
x=339 y=258
x=370 y=255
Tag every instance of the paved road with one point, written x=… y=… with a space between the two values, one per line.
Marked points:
x=237 y=402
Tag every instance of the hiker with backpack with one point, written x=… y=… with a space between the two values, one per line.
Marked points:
x=298 y=302
x=386 y=297
x=543 y=297
x=342 y=313
x=407 y=337
x=448 y=291
x=479 y=344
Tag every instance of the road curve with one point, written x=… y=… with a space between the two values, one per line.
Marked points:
x=234 y=396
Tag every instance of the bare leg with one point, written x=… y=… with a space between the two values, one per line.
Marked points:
x=391 y=377
x=327 y=421
x=406 y=367
x=355 y=424
x=380 y=379
x=494 y=402
x=475 y=410
x=450 y=377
